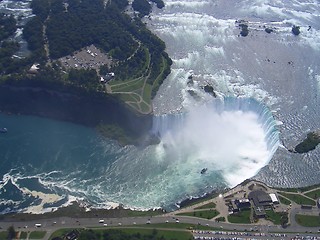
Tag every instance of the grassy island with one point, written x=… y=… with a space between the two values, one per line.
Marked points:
x=310 y=143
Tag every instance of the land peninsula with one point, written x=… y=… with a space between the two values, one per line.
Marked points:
x=90 y=62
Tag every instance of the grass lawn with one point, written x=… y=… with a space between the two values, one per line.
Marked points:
x=144 y=107
x=208 y=205
x=167 y=234
x=240 y=217
x=23 y=235
x=299 y=199
x=178 y=235
x=147 y=93
x=60 y=232
x=129 y=97
x=37 y=234
x=313 y=194
x=274 y=217
x=3 y=235
x=284 y=200
x=208 y=214
x=178 y=226
x=307 y=220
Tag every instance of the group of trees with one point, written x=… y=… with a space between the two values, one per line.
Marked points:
x=144 y=7
x=141 y=6
x=7 y=26
x=80 y=24
x=73 y=24
x=8 y=47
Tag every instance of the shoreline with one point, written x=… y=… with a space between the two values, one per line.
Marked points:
x=78 y=210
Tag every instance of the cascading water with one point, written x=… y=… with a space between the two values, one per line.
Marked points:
x=229 y=136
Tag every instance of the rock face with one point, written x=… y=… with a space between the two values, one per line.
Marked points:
x=82 y=108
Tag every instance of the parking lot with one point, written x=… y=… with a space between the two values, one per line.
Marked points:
x=87 y=58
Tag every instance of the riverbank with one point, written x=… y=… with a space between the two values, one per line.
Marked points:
x=76 y=106
x=287 y=198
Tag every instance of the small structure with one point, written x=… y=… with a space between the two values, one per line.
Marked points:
x=318 y=202
x=34 y=68
x=274 y=198
x=243 y=203
x=234 y=206
x=109 y=76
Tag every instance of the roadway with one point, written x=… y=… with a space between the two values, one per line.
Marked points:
x=53 y=224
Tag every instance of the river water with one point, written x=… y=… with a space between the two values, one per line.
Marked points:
x=262 y=108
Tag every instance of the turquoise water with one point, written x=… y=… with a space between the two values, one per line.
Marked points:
x=57 y=153
x=76 y=163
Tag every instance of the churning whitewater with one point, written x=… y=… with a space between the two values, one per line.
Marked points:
x=233 y=139
x=47 y=164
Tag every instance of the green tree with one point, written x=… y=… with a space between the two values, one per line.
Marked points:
x=11 y=233
x=142 y=6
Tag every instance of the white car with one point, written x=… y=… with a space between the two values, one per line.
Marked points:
x=101 y=221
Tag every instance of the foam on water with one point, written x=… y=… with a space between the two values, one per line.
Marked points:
x=222 y=135
x=101 y=174
x=203 y=39
x=235 y=137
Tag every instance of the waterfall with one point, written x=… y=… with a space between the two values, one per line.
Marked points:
x=178 y=125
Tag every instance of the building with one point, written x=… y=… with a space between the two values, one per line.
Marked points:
x=259 y=212
x=34 y=69
x=243 y=203
x=260 y=198
x=109 y=76
x=234 y=206
x=274 y=198
x=261 y=201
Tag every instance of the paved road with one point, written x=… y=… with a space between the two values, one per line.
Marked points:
x=50 y=225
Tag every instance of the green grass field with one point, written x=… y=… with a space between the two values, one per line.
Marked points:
x=208 y=205
x=313 y=194
x=23 y=235
x=178 y=235
x=178 y=226
x=307 y=220
x=299 y=199
x=37 y=234
x=182 y=234
x=3 y=235
x=274 y=217
x=60 y=233
x=240 y=217
x=284 y=200
x=208 y=214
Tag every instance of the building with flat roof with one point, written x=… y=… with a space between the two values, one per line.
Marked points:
x=274 y=198
x=259 y=212
x=243 y=203
x=260 y=198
